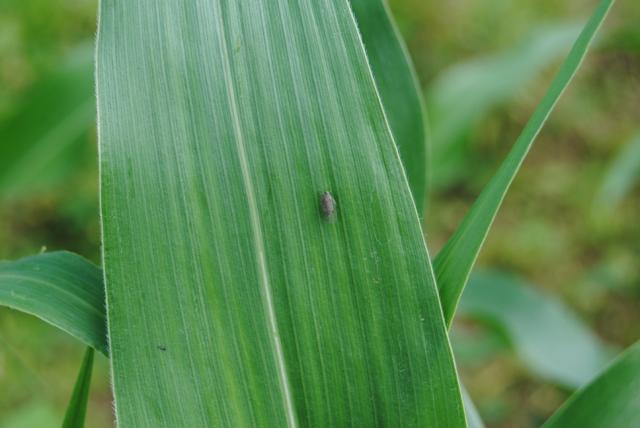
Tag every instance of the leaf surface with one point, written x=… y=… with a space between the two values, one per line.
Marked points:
x=60 y=288
x=221 y=125
x=454 y=262
x=398 y=88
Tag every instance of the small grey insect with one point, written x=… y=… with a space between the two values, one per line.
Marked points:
x=162 y=347
x=328 y=206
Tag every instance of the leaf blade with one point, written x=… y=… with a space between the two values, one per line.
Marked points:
x=60 y=288
x=399 y=91
x=77 y=408
x=454 y=262
x=226 y=171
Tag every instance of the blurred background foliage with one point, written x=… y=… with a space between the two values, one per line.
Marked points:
x=563 y=292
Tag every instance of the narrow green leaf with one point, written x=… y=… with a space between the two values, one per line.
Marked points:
x=40 y=141
x=549 y=338
x=612 y=400
x=60 y=288
x=399 y=90
x=77 y=409
x=454 y=262
x=234 y=297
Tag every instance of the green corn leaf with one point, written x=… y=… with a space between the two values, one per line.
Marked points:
x=549 y=338
x=612 y=400
x=77 y=409
x=60 y=288
x=398 y=89
x=88 y=330
x=401 y=98
x=454 y=262
x=239 y=293
x=41 y=141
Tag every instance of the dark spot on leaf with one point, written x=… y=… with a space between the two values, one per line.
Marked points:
x=328 y=206
x=162 y=347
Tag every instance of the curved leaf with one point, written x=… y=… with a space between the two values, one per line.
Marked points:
x=60 y=288
x=550 y=339
x=398 y=89
x=612 y=400
x=233 y=298
x=454 y=262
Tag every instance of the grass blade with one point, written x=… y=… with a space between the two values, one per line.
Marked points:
x=549 y=338
x=399 y=90
x=220 y=127
x=77 y=409
x=612 y=400
x=454 y=262
x=60 y=288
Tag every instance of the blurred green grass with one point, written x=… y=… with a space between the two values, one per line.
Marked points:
x=550 y=231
